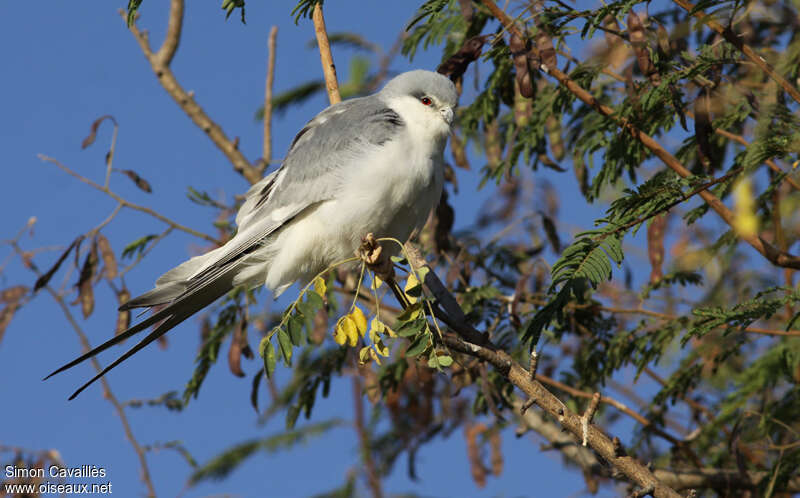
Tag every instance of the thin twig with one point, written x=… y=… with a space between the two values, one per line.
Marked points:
x=373 y=479
x=325 y=57
x=107 y=393
x=596 y=439
x=159 y=61
x=771 y=253
x=126 y=203
x=271 y=45
x=736 y=40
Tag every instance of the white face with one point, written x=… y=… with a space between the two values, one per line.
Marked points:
x=433 y=104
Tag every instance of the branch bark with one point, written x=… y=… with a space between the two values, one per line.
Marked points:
x=160 y=63
x=569 y=420
x=267 y=155
x=706 y=478
x=771 y=253
x=325 y=57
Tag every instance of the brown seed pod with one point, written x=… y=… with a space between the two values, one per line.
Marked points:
x=123 y=316
x=655 y=246
x=519 y=55
x=107 y=254
x=547 y=52
x=638 y=40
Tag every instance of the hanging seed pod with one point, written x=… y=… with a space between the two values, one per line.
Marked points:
x=703 y=131
x=107 y=254
x=496 y=446
x=123 y=317
x=655 y=247
x=455 y=66
x=85 y=288
x=459 y=151
x=523 y=107
x=547 y=52
x=519 y=55
x=553 y=125
x=638 y=40
x=494 y=146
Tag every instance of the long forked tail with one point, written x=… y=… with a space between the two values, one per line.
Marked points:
x=198 y=294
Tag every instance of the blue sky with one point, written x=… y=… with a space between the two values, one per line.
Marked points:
x=74 y=61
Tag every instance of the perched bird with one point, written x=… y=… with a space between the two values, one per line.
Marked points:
x=366 y=165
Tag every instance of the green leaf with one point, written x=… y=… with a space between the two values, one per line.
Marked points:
x=285 y=343
x=267 y=352
x=418 y=345
x=137 y=246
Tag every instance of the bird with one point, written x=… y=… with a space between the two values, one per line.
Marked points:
x=370 y=164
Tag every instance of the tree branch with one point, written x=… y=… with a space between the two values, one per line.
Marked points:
x=267 y=154
x=706 y=478
x=745 y=49
x=569 y=420
x=325 y=57
x=128 y=204
x=159 y=61
x=771 y=253
x=107 y=393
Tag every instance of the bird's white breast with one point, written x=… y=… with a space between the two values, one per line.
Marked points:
x=388 y=191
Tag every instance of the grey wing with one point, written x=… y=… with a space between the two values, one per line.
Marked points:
x=308 y=175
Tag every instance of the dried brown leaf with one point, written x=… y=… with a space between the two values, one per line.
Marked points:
x=13 y=294
x=44 y=279
x=107 y=254
x=6 y=314
x=89 y=140
x=551 y=232
x=138 y=180
x=235 y=357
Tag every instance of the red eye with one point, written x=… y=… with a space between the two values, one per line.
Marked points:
x=426 y=101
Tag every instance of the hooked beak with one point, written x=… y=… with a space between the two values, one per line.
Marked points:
x=447 y=115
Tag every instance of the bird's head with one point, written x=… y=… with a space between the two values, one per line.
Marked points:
x=429 y=97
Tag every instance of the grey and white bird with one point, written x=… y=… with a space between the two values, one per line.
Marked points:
x=366 y=165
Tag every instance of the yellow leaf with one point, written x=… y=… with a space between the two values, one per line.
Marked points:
x=360 y=320
x=410 y=284
x=339 y=335
x=376 y=328
x=745 y=221
x=320 y=287
x=349 y=328
x=363 y=355
x=381 y=348
x=374 y=356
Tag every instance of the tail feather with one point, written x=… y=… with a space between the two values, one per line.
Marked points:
x=197 y=295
